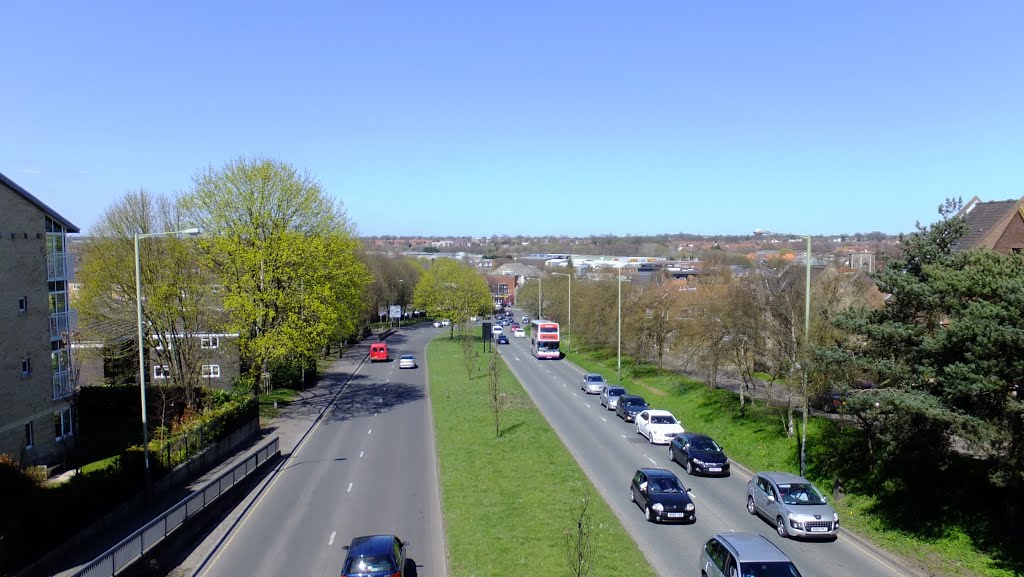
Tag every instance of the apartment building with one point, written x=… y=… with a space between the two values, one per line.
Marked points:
x=35 y=383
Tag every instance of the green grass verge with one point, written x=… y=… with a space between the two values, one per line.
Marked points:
x=282 y=396
x=758 y=442
x=500 y=514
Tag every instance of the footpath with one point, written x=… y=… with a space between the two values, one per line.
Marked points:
x=294 y=421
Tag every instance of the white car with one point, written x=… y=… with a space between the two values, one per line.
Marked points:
x=497 y=330
x=658 y=426
x=437 y=324
x=445 y=322
x=519 y=333
x=472 y=319
x=407 y=362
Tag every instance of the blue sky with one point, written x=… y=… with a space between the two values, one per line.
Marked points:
x=540 y=118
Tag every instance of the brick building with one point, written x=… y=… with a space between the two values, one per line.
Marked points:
x=997 y=225
x=35 y=318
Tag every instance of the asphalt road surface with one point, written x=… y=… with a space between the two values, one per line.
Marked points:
x=366 y=467
x=610 y=451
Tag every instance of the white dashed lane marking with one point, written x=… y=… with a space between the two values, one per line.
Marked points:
x=331 y=541
x=349 y=488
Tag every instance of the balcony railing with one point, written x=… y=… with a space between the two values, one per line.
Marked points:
x=56 y=266
x=62 y=385
x=59 y=325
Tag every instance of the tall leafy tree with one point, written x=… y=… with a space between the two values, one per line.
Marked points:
x=286 y=256
x=945 y=357
x=179 y=300
x=452 y=290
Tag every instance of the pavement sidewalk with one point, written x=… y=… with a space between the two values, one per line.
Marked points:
x=294 y=421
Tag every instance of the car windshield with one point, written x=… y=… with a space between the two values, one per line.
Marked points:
x=635 y=402
x=369 y=564
x=769 y=569
x=663 y=420
x=801 y=494
x=666 y=485
x=613 y=392
x=595 y=378
x=408 y=357
x=704 y=445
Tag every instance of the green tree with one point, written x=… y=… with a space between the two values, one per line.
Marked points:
x=286 y=256
x=179 y=300
x=945 y=357
x=452 y=290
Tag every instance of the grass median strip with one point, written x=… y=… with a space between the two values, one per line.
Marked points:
x=510 y=502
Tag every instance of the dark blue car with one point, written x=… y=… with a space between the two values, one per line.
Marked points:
x=375 y=556
x=699 y=454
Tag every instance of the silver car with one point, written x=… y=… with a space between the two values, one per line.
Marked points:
x=610 y=397
x=794 y=504
x=735 y=554
x=593 y=383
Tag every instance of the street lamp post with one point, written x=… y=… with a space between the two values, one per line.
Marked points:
x=807 y=342
x=142 y=353
x=567 y=274
x=540 y=298
x=618 y=362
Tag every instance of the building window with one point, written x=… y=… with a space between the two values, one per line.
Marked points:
x=209 y=342
x=62 y=424
x=23 y=304
x=26 y=367
x=161 y=371
x=30 y=437
x=211 y=371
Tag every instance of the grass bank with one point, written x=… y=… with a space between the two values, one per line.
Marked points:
x=271 y=403
x=501 y=517
x=758 y=441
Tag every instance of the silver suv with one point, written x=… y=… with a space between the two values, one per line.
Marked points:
x=791 y=502
x=746 y=554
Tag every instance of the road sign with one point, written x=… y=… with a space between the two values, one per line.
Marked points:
x=395 y=312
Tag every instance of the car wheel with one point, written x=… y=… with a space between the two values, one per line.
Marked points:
x=671 y=454
x=780 y=527
x=649 y=513
x=632 y=496
x=689 y=467
x=750 y=506
x=650 y=438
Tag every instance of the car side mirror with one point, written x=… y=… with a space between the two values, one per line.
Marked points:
x=771 y=498
x=689 y=489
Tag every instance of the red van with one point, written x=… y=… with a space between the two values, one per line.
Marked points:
x=379 y=352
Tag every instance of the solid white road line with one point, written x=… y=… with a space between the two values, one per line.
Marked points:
x=331 y=541
x=349 y=488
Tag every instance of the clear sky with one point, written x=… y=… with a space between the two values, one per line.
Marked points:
x=539 y=118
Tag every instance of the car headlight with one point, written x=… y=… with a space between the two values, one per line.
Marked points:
x=835 y=516
x=726 y=461
x=794 y=523
x=689 y=506
x=658 y=507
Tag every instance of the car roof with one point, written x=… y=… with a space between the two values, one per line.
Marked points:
x=694 y=436
x=752 y=547
x=627 y=397
x=652 y=472
x=408 y=356
x=371 y=545
x=615 y=388
x=781 y=478
x=659 y=413
x=588 y=375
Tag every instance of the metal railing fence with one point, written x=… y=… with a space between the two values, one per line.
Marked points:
x=138 y=543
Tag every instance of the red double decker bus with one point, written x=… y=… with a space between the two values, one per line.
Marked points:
x=544 y=339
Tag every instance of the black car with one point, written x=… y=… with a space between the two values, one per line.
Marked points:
x=662 y=496
x=502 y=339
x=375 y=556
x=700 y=454
x=628 y=406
